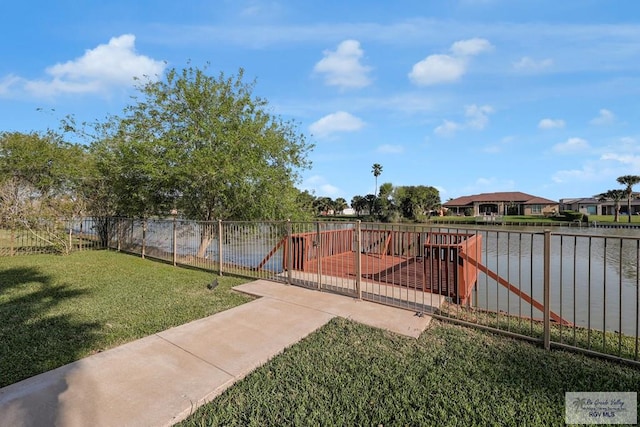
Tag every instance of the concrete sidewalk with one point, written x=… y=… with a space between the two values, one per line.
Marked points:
x=161 y=379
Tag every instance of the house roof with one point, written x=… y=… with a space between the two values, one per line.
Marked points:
x=507 y=196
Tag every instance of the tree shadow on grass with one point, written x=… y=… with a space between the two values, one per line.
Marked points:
x=35 y=334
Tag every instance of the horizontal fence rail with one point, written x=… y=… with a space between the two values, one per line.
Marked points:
x=576 y=291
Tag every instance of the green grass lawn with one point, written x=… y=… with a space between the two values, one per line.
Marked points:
x=57 y=309
x=350 y=374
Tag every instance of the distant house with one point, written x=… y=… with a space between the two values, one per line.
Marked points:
x=592 y=206
x=586 y=205
x=503 y=203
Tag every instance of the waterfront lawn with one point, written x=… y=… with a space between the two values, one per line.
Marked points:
x=57 y=309
x=350 y=374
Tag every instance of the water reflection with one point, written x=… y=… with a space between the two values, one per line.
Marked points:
x=593 y=275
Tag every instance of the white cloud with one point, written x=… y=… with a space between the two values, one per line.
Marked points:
x=625 y=159
x=551 y=124
x=587 y=173
x=572 y=145
x=319 y=186
x=528 y=64
x=605 y=117
x=342 y=67
x=107 y=66
x=437 y=69
x=447 y=128
x=441 y=68
x=339 y=121
x=390 y=149
x=477 y=116
x=8 y=83
x=470 y=47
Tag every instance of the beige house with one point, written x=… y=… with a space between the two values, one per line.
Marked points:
x=503 y=203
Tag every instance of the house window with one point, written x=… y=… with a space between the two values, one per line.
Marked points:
x=536 y=209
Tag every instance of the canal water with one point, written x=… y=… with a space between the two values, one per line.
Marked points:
x=593 y=274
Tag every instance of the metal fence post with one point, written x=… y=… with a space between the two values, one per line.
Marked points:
x=175 y=240
x=144 y=237
x=358 y=258
x=289 y=253
x=547 y=290
x=220 y=247
x=318 y=245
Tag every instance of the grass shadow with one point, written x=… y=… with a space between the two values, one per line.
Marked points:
x=35 y=336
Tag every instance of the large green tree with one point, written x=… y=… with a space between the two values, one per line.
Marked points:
x=206 y=146
x=415 y=202
x=40 y=182
x=629 y=181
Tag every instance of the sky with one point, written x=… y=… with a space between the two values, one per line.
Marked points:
x=468 y=96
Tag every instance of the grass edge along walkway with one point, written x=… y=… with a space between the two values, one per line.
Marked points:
x=58 y=309
x=351 y=374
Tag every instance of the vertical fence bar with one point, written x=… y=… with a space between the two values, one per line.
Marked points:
x=289 y=253
x=80 y=237
x=220 y=247
x=174 y=239
x=318 y=245
x=358 y=259
x=547 y=286
x=144 y=237
x=12 y=240
x=604 y=296
x=637 y=297
x=620 y=299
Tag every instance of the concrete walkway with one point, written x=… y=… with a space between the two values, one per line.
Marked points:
x=159 y=380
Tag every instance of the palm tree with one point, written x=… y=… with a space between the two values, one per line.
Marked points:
x=339 y=205
x=358 y=204
x=629 y=181
x=614 y=195
x=376 y=170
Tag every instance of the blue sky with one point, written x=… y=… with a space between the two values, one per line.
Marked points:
x=468 y=96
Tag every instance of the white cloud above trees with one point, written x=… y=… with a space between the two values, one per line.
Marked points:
x=476 y=117
x=547 y=124
x=605 y=117
x=572 y=145
x=448 y=68
x=531 y=65
x=105 y=67
x=343 y=68
x=340 y=121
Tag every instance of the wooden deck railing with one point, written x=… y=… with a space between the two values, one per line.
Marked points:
x=445 y=267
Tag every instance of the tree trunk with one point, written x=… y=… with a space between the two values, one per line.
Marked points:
x=206 y=237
